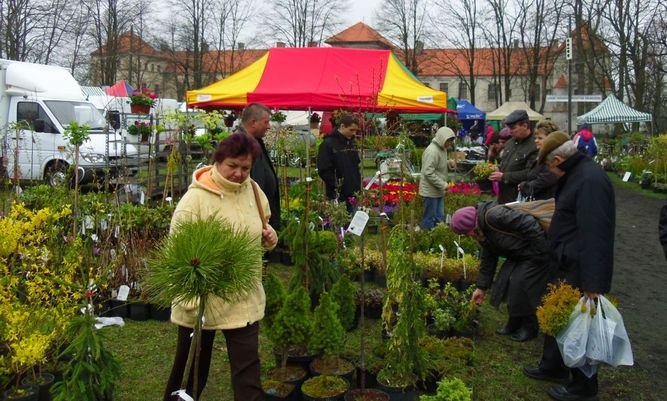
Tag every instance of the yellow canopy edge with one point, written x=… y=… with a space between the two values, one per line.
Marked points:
x=236 y=86
x=400 y=88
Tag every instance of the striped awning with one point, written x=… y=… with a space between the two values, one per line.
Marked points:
x=612 y=110
x=93 y=91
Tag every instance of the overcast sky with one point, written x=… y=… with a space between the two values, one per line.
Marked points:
x=361 y=10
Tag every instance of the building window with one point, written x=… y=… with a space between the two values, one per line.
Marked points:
x=493 y=92
x=444 y=86
x=463 y=90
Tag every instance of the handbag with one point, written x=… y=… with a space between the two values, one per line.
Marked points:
x=262 y=216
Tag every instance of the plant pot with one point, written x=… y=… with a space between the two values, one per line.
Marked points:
x=342 y=368
x=485 y=185
x=371 y=379
x=301 y=360
x=43 y=384
x=159 y=313
x=140 y=109
x=433 y=331
x=118 y=308
x=398 y=393
x=368 y=394
x=31 y=393
x=281 y=392
x=139 y=311
x=331 y=397
x=292 y=374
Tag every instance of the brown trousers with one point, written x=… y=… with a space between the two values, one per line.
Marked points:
x=242 y=349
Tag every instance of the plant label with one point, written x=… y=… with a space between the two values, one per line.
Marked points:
x=626 y=176
x=372 y=181
x=123 y=292
x=358 y=223
x=182 y=395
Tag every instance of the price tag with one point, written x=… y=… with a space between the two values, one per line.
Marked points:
x=372 y=181
x=626 y=176
x=358 y=223
x=123 y=292
x=182 y=395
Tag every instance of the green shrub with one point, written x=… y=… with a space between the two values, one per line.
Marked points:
x=275 y=298
x=293 y=324
x=453 y=389
x=343 y=293
x=328 y=335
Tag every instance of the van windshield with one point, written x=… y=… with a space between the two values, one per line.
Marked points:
x=81 y=112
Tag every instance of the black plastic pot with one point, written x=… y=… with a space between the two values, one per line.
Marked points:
x=43 y=384
x=118 y=308
x=370 y=394
x=160 y=313
x=139 y=311
x=32 y=394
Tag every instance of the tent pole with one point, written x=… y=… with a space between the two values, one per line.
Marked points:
x=306 y=139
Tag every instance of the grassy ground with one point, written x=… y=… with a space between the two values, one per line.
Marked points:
x=146 y=349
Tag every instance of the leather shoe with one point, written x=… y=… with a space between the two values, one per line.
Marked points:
x=560 y=393
x=523 y=334
x=539 y=374
x=506 y=331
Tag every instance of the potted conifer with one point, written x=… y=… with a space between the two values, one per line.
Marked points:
x=327 y=340
x=192 y=264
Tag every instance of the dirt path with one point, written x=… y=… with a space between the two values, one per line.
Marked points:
x=640 y=277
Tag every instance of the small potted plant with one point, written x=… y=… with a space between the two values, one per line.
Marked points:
x=278 y=118
x=481 y=173
x=141 y=129
x=327 y=339
x=141 y=101
x=324 y=388
x=315 y=121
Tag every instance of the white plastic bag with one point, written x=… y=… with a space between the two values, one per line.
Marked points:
x=608 y=342
x=573 y=339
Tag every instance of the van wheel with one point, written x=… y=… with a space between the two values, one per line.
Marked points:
x=56 y=173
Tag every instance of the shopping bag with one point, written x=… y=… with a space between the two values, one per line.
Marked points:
x=608 y=342
x=572 y=339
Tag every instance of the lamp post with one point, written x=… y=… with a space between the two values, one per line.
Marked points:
x=568 y=56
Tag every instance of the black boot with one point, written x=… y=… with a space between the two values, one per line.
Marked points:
x=513 y=324
x=528 y=329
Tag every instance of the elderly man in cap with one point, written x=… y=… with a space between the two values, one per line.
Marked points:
x=518 y=156
x=433 y=182
x=518 y=237
x=581 y=242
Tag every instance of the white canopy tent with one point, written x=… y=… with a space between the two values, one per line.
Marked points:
x=612 y=110
x=503 y=111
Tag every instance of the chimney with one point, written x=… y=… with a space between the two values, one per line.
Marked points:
x=516 y=43
x=419 y=47
x=313 y=43
x=280 y=44
x=240 y=46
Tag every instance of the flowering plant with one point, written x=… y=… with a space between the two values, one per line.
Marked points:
x=139 y=128
x=143 y=97
x=392 y=192
x=483 y=170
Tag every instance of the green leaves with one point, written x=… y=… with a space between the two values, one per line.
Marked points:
x=202 y=258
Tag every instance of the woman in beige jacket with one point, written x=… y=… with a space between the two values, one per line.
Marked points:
x=225 y=190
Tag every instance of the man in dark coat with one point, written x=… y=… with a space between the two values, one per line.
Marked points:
x=255 y=122
x=581 y=242
x=338 y=161
x=522 y=280
x=662 y=228
x=518 y=156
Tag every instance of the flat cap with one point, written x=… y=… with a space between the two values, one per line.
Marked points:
x=551 y=143
x=516 y=116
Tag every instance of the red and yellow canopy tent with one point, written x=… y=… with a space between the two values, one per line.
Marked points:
x=324 y=79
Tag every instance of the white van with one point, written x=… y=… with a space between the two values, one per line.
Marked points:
x=37 y=103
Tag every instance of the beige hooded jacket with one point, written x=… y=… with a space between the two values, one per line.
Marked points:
x=433 y=181
x=211 y=194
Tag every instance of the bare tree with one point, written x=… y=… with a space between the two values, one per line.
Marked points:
x=110 y=18
x=232 y=18
x=300 y=23
x=540 y=20
x=19 y=25
x=500 y=39
x=404 y=22
x=461 y=22
x=194 y=34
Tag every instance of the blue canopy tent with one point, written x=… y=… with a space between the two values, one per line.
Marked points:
x=470 y=116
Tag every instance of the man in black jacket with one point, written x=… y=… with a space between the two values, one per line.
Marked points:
x=338 y=161
x=518 y=237
x=255 y=122
x=662 y=228
x=581 y=241
x=518 y=156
